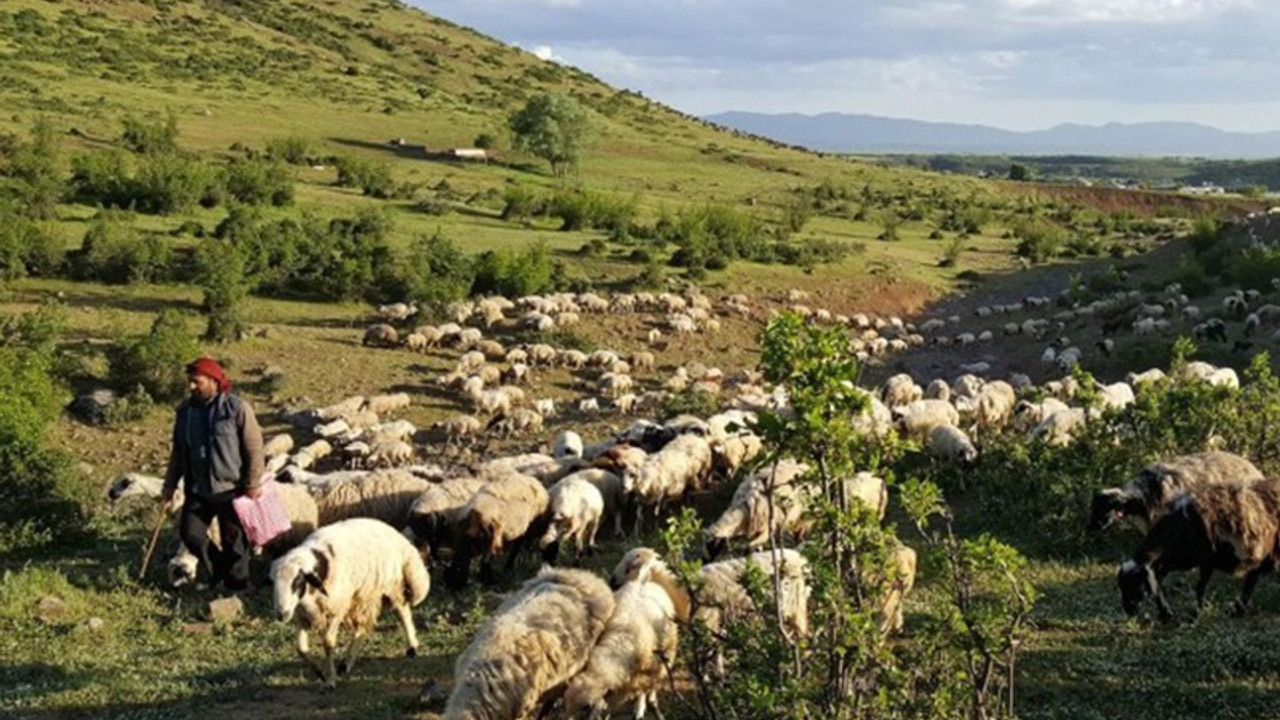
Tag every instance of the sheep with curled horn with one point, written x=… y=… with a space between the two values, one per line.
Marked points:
x=1233 y=527
x=1147 y=496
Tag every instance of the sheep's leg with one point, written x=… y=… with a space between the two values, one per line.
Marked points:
x=405 y=613
x=348 y=663
x=1202 y=586
x=303 y=647
x=641 y=705
x=653 y=700
x=330 y=673
x=1246 y=592
x=1157 y=593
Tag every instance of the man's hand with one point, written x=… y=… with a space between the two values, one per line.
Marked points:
x=253 y=492
x=166 y=499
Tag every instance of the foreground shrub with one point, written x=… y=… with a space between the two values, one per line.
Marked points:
x=39 y=501
x=155 y=361
x=116 y=252
x=258 y=182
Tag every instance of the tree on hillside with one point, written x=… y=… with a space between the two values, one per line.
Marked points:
x=1019 y=172
x=553 y=127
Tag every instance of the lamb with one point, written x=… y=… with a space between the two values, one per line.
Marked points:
x=339 y=409
x=1146 y=497
x=918 y=418
x=1233 y=527
x=537 y=640
x=386 y=495
x=382 y=404
x=459 y=427
x=343 y=574
x=577 y=509
x=902 y=561
x=380 y=335
x=899 y=390
x=748 y=513
x=1115 y=396
x=568 y=444
x=278 y=445
x=668 y=474
x=437 y=513
x=1058 y=429
x=630 y=660
x=505 y=511
x=951 y=443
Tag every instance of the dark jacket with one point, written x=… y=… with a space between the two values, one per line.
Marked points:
x=234 y=447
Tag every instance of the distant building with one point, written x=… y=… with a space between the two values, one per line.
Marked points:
x=1205 y=189
x=467 y=154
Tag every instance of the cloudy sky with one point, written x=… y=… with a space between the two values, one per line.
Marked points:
x=1016 y=64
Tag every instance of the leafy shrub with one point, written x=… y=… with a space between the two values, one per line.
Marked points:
x=436 y=272
x=222 y=276
x=951 y=252
x=372 y=177
x=156 y=361
x=1254 y=267
x=130 y=408
x=150 y=137
x=291 y=149
x=170 y=183
x=484 y=141
x=1194 y=280
x=258 y=182
x=520 y=203
x=36 y=169
x=502 y=272
x=26 y=247
x=691 y=401
x=1205 y=233
x=39 y=500
x=103 y=178
x=1038 y=241
x=114 y=251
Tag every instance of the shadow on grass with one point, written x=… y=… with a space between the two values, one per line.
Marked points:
x=152 y=305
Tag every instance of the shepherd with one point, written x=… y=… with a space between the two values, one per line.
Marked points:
x=217 y=453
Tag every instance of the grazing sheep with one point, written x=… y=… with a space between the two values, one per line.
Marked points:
x=380 y=335
x=576 y=509
x=748 y=514
x=568 y=444
x=1116 y=395
x=1231 y=527
x=630 y=661
x=537 y=640
x=383 y=404
x=278 y=445
x=341 y=409
x=502 y=513
x=918 y=418
x=1058 y=429
x=343 y=575
x=437 y=513
x=1145 y=498
x=902 y=564
x=390 y=454
x=951 y=443
x=899 y=390
x=668 y=474
x=459 y=427
x=386 y=495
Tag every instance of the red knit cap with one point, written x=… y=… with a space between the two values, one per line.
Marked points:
x=210 y=368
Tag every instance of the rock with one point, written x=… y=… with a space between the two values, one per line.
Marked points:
x=95 y=624
x=226 y=610
x=51 y=608
x=92 y=407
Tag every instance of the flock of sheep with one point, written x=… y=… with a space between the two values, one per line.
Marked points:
x=366 y=509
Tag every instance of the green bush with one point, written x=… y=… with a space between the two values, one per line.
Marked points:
x=502 y=272
x=1039 y=241
x=103 y=178
x=156 y=361
x=150 y=137
x=36 y=169
x=169 y=183
x=436 y=272
x=372 y=177
x=116 y=252
x=258 y=182
x=520 y=203
x=222 y=276
x=291 y=149
x=26 y=247
x=39 y=500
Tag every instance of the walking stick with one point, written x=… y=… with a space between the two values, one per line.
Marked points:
x=151 y=547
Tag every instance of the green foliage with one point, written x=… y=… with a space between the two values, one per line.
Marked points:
x=128 y=409
x=26 y=246
x=714 y=234
x=156 y=361
x=1019 y=172
x=520 y=203
x=170 y=182
x=372 y=177
x=146 y=137
x=691 y=401
x=38 y=499
x=553 y=127
x=951 y=252
x=290 y=149
x=582 y=209
x=436 y=272
x=504 y=272
x=36 y=170
x=258 y=182
x=104 y=178
x=223 y=277
x=115 y=251
x=1039 y=241
x=485 y=141
x=1253 y=267
x=1205 y=233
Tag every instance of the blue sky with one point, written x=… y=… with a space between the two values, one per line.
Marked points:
x=1016 y=64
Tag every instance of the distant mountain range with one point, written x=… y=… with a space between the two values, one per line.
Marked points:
x=837 y=132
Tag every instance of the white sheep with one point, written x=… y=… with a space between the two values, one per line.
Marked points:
x=386 y=495
x=568 y=444
x=382 y=404
x=918 y=418
x=437 y=513
x=537 y=640
x=342 y=575
x=501 y=514
x=576 y=509
x=951 y=443
x=668 y=474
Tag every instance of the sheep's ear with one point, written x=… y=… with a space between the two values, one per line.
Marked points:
x=316 y=579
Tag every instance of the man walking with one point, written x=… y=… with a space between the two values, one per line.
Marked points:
x=217 y=452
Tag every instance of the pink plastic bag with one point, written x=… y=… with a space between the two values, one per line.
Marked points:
x=263 y=518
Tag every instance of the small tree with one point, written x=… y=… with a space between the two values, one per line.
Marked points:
x=553 y=127
x=222 y=276
x=36 y=168
x=154 y=361
x=1019 y=172
x=437 y=272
